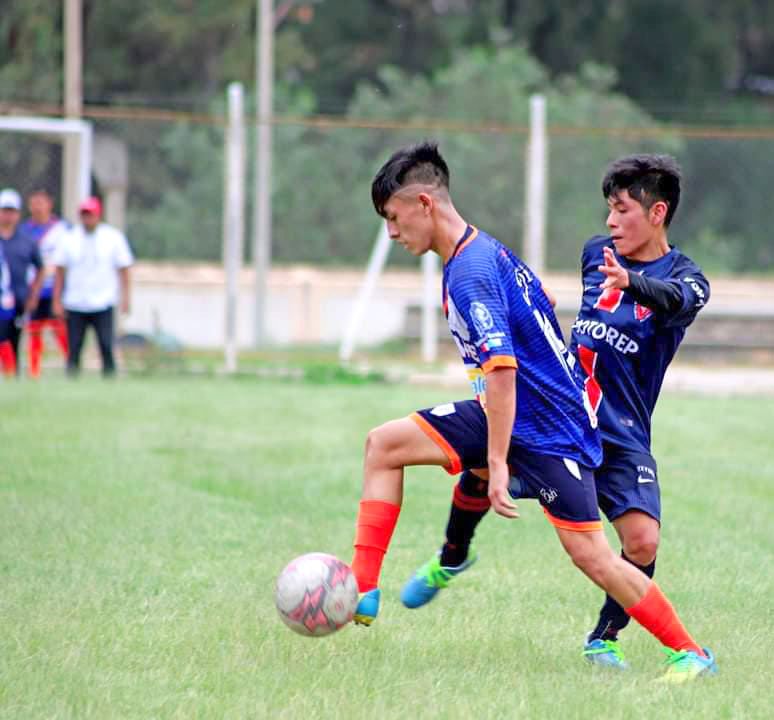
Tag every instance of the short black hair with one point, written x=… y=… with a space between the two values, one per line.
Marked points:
x=647 y=179
x=420 y=163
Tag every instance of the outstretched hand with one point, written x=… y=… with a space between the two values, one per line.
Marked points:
x=616 y=276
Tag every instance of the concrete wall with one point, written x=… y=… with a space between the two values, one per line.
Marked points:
x=311 y=305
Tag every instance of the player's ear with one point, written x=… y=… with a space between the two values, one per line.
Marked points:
x=658 y=212
x=426 y=201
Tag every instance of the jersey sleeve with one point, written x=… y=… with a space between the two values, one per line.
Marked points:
x=482 y=305
x=694 y=290
x=123 y=253
x=60 y=256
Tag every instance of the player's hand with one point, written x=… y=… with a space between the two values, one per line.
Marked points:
x=501 y=500
x=616 y=276
x=58 y=309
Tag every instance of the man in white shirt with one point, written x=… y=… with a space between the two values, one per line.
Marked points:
x=92 y=276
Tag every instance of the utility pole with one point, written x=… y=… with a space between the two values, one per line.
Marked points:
x=264 y=86
x=73 y=104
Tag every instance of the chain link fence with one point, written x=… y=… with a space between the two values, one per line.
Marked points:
x=323 y=167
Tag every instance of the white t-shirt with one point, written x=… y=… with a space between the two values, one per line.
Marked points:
x=92 y=261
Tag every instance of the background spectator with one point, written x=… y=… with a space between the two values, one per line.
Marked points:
x=91 y=262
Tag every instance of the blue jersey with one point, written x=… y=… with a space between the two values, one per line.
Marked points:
x=47 y=235
x=499 y=316
x=7 y=299
x=624 y=348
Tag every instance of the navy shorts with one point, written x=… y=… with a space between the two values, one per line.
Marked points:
x=563 y=487
x=44 y=310
x=627 y=480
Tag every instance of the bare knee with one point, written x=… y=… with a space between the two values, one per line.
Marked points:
x=380 y=449
x=641 y=549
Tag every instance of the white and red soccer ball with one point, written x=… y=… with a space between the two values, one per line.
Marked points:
x=316 y=594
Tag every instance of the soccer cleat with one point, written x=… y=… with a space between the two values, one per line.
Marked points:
x=605 y=653
x=367 y=608
x=687 y=665
x=429 y=579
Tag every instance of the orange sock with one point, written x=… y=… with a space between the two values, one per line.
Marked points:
x=656 y=614
x=35 y=330
x=376 y=521
x=7 y=358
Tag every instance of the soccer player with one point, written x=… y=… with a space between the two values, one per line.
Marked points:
x=639 y=296
x=48 y=230
x=506 y=331
x=21 y=258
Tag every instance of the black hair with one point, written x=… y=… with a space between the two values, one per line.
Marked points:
x=647 y=179
x=420 y=163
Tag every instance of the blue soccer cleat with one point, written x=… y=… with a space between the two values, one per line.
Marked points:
x=429 y=579
x=368 y=607
x=605 y=653
x=687 y=665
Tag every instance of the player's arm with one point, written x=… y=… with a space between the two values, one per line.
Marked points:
x=59 y=280
x=663 y=297
x=34 y=293
x=500 y=414
x=551 y=297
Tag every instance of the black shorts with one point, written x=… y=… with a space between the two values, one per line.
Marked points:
x=564 y=487
x=627 y=480
x=44 y=310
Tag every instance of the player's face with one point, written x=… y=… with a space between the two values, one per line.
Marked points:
x=409 y=223
x=633 y=228
x=89 y=220
x=9 y=218
x=40 y=206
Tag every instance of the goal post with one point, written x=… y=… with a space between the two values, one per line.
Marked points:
x=76 y=181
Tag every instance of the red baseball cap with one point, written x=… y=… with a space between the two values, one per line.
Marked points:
x=91 y=205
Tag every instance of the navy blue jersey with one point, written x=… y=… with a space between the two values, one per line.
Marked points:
x=499 y=316
x=624 y=348
x=21 y=252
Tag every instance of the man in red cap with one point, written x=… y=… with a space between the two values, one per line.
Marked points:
x=92 y=277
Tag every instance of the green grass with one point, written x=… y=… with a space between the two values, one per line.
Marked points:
x=143 y=522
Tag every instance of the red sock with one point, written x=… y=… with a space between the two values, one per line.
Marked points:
x=375 y=524
x=7 y=358
x=35 y=330
x=656 y=614
x=60 y=332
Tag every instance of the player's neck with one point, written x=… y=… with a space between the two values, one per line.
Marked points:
x=451 y=227
x=654 y=249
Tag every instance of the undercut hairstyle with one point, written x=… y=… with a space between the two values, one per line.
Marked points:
x=419 y=164
x=647 y=178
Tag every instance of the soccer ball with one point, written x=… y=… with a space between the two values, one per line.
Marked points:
x=316 y=594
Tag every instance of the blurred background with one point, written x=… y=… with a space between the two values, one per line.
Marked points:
x=329 y=89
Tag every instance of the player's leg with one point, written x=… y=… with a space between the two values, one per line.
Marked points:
x=103 y=326
x=470 y=502
x=35 y=333
x=76 y=330
x=642 y=599
x=639 y=536
x=389 y=448
x=628 y=494
x=59 y=328
x=7 y=358
x=462 y=429
x=14 y=338
x=35 y=346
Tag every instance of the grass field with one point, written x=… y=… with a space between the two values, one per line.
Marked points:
x=143 y=523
